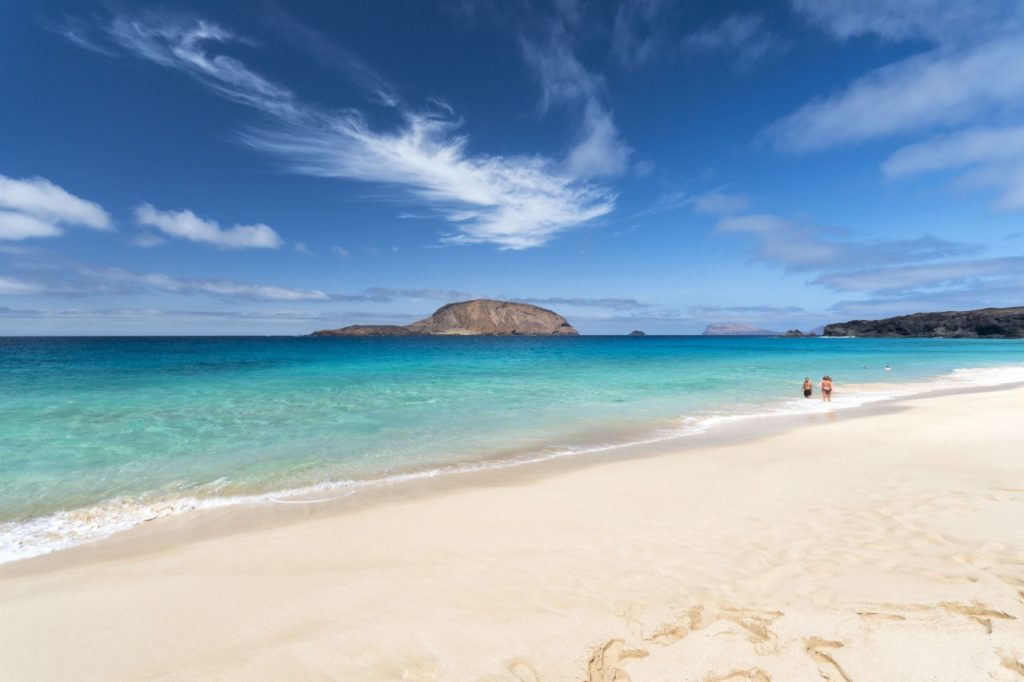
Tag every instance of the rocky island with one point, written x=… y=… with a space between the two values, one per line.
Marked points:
x=481 y=317
x=736 y=329
x=987 y=323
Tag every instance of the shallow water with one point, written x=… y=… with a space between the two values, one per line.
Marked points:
x=100 y=434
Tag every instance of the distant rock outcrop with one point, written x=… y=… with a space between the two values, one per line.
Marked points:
x=367 y=330
x=737 y=329
x=798 y=333
x=637 y=332
x=482 y=317
x=987 y=323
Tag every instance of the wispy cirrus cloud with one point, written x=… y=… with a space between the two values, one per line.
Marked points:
x=35 y=207
x=938 y=88
x=620 y=304
x=345 y=61
x=187 y=225
x=645 y=31
x=388 y=294
x=744 y=38
x=10 y=286
x=937 y=21
x=908 y=278
x=599 y=149
x=224 y=288
x=803 y=246
x=746 y=312
x=987 y=157
x=713 y=202
x=77 y=280
x=130 y=314
x=512 y=202
x=967 y=86
x=186 y=44
x=720 y=203
x=638 y=37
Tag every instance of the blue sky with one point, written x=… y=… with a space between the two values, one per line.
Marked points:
x=275 y=168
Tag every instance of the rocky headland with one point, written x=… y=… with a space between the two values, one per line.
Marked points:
x=987 y=323
x=481 y=317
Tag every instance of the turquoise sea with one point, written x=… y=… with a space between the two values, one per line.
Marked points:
x=99 y=434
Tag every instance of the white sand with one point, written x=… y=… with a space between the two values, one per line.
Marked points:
x=886 y=547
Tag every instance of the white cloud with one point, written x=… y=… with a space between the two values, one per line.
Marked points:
x=183 y=45
x=35 y=207
x=187 y=225
x=741 y=36
x=940 y=21
x=215 y=287
x=578 y=302
x=720 y=203
x=15 y=226
x=971 y=78
x=340 y=251
x=376 y=87
x=893 y=280
x=516 y=203
x=9 y=286
x=643 y=168
x=963 y=284
x=805 y=246
x=599 y=149
x=637 y=35
x=938 y=88
x=994 y=157
x=513 y=202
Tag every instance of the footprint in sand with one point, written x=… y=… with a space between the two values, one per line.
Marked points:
x=604 y=662
x=1013 y=665
x=752 y=675
x=756 y=624
x=670 y=633
x=523 y=672
x=830 y=670
x=875 y=615
x=979 y=613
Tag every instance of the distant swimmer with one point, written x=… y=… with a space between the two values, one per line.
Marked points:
x=808 y=387
x=826 y=388
x=888 y=368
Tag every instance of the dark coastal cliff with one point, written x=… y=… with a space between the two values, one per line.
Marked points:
x=482 y=317
x=988 y=323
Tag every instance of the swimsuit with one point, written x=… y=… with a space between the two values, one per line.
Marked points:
x=807 y=393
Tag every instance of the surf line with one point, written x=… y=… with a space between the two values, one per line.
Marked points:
x=278 y=500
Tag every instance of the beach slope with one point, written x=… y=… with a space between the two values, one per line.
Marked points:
x=880 y=547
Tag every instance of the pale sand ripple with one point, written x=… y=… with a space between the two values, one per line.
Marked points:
x=888 y=547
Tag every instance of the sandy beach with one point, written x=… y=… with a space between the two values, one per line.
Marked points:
x=883 y=546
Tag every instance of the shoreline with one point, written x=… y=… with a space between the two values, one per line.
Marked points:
x=882 y=546
x=240 y=513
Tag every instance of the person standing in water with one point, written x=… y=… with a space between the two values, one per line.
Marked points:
x=826 y=388
x=808 y=387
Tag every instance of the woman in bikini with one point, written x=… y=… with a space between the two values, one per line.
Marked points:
x=826 y=388
x=808 y=387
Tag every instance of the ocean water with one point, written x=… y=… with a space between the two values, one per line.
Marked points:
x=100 y=434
